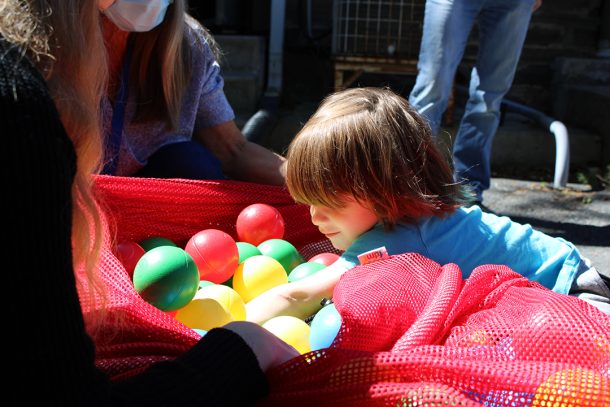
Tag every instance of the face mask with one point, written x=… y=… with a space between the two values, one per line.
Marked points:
x=137 y=15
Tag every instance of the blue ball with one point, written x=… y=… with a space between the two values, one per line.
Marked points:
x=201 y=332
x=324 y=327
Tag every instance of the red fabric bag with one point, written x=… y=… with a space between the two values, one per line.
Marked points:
x=413 y=332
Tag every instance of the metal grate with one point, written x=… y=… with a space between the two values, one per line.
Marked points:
x=377 y=28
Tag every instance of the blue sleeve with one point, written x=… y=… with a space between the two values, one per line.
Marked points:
x=403 y=239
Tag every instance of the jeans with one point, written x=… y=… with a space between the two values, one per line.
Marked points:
x=188 y=159
x=447 y=24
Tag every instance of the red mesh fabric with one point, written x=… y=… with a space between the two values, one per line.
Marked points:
x=138 y=208
x=414 y=333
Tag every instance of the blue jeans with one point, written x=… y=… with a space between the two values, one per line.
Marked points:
x=189 y=159
x=447 y=24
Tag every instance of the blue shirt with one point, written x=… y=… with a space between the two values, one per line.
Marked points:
x=470 y=238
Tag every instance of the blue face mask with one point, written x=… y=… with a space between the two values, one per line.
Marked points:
x=137 y=15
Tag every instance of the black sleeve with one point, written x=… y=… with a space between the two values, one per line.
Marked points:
x=50 y=356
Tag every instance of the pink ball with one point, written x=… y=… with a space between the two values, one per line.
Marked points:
x=129 y=253
x=215 y=253
x=259 y=222
x=325 y=258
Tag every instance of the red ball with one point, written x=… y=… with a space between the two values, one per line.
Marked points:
x=325 y=258
x=259 y=222
x=129 y=253
x=215 y=253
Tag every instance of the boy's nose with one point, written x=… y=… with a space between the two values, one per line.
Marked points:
x=316 y=216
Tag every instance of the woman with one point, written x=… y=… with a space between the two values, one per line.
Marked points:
x=52 y=78
x=166 y=114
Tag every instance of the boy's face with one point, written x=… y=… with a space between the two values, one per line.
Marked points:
x=343 y=225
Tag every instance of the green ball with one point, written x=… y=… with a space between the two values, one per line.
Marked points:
x=166 y=277
x=156 y=241
x=246 y=250
x=229 y=282
x=304 y=270
x=282 y=251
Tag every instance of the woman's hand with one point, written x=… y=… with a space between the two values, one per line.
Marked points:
x=270 y=350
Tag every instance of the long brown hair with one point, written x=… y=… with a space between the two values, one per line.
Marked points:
x=64 y=39
x=161 y=65
x=369 y=143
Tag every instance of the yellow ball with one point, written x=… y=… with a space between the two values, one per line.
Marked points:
x=477 y=338
x=571 y=388
x=212 y=306
x=257 y=274
x=291 y=330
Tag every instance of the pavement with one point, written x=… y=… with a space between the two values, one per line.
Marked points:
x=576 y=213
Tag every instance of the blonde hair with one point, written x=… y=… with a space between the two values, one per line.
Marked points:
x=370 y=144
x=161 y=65
x=65 y=39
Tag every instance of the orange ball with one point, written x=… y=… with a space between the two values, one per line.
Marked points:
x=572 y=387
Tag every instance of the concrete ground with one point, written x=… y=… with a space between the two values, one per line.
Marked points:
x=576 y=213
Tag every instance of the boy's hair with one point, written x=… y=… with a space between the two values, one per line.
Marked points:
x=369 y=143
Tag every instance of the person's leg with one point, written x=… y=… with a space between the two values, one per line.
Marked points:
x=188 y=160
x=590 y=286
x=447 y=24
x=502 y=29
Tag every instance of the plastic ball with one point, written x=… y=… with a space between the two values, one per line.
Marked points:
x=246 y=250
x=166 y=277
x=291 y=330
x=501 y=398
x=256 y=275
x=477 y=337
x=215 y=254
x=229 y=282
x=283 y=251
x=156 y=241
x=129 y=253
x=212 y=306
x=325 y=258
x=304 y=270
x=324 y=327
x=204 y=283
x=201 y=332
x=571 y=387
x=259 y=222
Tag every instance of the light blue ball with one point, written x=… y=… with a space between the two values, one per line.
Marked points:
x=324 y=327
x=201 y=332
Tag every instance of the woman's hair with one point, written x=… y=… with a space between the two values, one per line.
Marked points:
x=64 y=39
x=161 y=65
x=370 y=144
x=21 y=27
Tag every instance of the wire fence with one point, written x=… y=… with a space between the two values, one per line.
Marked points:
x=377 y=28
